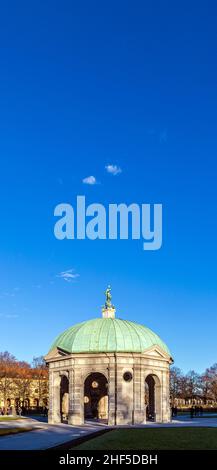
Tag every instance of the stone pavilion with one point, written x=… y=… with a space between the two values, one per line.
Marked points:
x=109 y=369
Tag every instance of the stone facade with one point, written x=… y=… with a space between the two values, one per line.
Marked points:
x=134 y=382
x=28 y=393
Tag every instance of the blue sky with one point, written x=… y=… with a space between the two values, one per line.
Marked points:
x=84 y=85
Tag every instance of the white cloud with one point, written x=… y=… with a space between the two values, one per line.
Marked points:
x=68 y=275
x=113 y=169
x=89 y=180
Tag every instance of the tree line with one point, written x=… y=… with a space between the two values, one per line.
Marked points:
x=16 y=377
x=192 y=384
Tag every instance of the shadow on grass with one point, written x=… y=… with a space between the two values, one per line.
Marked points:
x=154 y=439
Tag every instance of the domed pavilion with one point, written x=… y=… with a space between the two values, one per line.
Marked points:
x=108 y=369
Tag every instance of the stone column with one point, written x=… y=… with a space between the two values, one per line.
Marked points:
x=50 y=395
x=71 y=396
x=124 y=392
x=126 y=398
x=158 y=388
x=54 y=398
x=139 y=415
x=122 y=409
x=112 y=392
x=166 y=412
x=76 y=397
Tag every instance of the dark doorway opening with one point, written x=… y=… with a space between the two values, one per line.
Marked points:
x=150 y=398
x=96 y=397
x=64 y=399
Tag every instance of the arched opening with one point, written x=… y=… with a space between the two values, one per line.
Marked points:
x=36 y=403
x=96 y=397
x=64 y=399
x=17 y=403
x=153 y=398
x=26 y=403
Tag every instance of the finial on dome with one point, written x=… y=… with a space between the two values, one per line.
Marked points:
x=108 y=310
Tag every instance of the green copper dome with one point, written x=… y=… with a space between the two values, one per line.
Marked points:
x=108 y=334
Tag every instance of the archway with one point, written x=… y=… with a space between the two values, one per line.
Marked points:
x=17 y=403
x=36 y=403
x=26 y=403
x=64 y=399
x=8 y=402
x=153 y=398
x=96 y=397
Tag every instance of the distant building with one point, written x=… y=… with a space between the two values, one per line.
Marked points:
x=195 y=399
x=29 y=394
x=109 y=369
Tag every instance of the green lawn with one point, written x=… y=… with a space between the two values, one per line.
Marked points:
x=8 y=431
x=154 y=439
x=9 y=418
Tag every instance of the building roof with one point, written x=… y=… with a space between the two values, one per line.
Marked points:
x=108 y=334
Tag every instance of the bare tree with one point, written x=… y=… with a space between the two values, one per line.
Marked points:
x=39 y=363
x=8 y=370
x=40 y=373
x=23 y=381
x=209 y=382
x=193 y=384
x=175 y=383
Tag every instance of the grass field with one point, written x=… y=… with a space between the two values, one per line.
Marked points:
x=9 y=418
x=8 y=431
x=154 y=439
